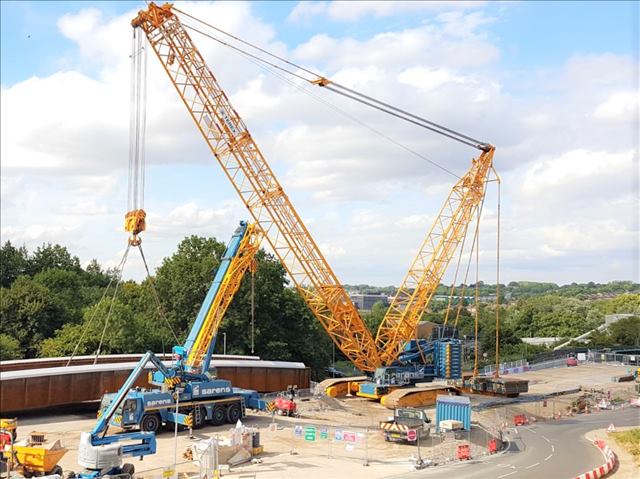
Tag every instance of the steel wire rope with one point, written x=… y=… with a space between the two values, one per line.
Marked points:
x=497 y=373
x=113 y=298
x=477 y=315
x=155 y=294
x=455 y=277
x=466 y=275
x=437 y=128
x=327 y=103
x=95 y=311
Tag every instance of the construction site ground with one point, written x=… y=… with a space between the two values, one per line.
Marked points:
x=284 y=451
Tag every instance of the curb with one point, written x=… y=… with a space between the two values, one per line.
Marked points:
x=601 y=471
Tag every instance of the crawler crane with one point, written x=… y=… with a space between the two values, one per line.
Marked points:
x=241 y=160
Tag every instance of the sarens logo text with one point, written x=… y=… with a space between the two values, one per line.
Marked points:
x=209 y=391
x=159 y=402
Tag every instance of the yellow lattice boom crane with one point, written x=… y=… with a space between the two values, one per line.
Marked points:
x=274 y=215
x=245 y=166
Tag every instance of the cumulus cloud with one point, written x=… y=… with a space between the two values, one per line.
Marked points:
x=348 y=11
x=564 y=157
x=620 y=106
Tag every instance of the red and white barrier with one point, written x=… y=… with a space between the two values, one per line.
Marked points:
x=606 y=468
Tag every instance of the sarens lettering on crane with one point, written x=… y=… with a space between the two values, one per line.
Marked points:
x=159 y=402
x=227 y=120
x=197 y=391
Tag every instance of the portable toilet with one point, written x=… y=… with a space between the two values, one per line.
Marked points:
x=457 y=408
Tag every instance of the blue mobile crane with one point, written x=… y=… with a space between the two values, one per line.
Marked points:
x=189 y=383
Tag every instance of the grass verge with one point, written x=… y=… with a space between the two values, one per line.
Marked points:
x=630 y=440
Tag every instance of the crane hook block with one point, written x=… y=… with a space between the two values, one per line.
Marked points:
x=134 y=223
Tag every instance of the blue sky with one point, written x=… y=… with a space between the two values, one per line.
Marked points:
x=532 y=34
x=550 y=83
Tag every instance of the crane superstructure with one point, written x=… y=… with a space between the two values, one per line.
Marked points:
x=187 y=392
x=245 y=166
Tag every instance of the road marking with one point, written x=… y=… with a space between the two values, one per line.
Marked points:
x=548 y=457
x=531 y=430
x=532 y=465
x=546 y=439
x=553 y=449
x=508 y=474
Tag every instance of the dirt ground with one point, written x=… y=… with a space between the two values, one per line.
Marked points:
x=284 y=450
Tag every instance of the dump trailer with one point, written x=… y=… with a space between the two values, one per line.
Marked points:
x=407 y=425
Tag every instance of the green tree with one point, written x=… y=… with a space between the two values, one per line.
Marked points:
x=374 y=318
x=30 y=313
x=9 y=348
x=183 y=279
x=48 y=256
x=13 y=263
x=626 y=331
x=126 y=324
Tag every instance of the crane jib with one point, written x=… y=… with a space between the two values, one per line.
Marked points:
x=254 y=181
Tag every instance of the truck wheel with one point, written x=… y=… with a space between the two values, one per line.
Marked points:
x=150 y=423
x=218 y=415
x=129 y=469
x=56 y=470
x=70 y=475
x=233 y=413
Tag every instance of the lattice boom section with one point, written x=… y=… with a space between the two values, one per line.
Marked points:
x=255 y=182
x=427 y=270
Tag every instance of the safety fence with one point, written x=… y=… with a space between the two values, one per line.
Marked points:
x=607 y=357
x=557 y=408
x=522 y=365
x=509 y=367
x=202 y=464
x=368 y=446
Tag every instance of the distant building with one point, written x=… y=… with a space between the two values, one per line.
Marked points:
x=365 y=302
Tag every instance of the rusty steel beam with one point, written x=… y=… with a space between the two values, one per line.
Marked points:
x=45 y=387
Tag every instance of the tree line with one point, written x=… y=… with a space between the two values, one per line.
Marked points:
x=50 y=305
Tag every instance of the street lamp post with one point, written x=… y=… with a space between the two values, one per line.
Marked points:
x=224 y=343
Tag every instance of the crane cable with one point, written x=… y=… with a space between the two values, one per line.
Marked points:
x=455 y=277
x=264 y=64
x=137 y=121
x=97 y=306
x=477 y=313
x=155 y=294
x=113 y=298
x=343 y=90
x=497 y=371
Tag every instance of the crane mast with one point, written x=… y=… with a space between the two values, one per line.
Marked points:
x=243 y=163
x=435 y=254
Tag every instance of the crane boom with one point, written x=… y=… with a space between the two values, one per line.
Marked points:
x=435 y=254
x=236 y=260
x=243 y=163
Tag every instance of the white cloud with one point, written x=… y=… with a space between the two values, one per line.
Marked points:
x=620 y=106
x=348 y=11
x=426 y=79
x=564 y=157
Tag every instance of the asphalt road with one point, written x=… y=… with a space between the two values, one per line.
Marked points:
x=545 y=450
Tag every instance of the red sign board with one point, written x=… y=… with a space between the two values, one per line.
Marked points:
x=349 y=436
x=412 y=435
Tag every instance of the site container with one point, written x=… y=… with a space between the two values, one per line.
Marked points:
x=457 y=408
